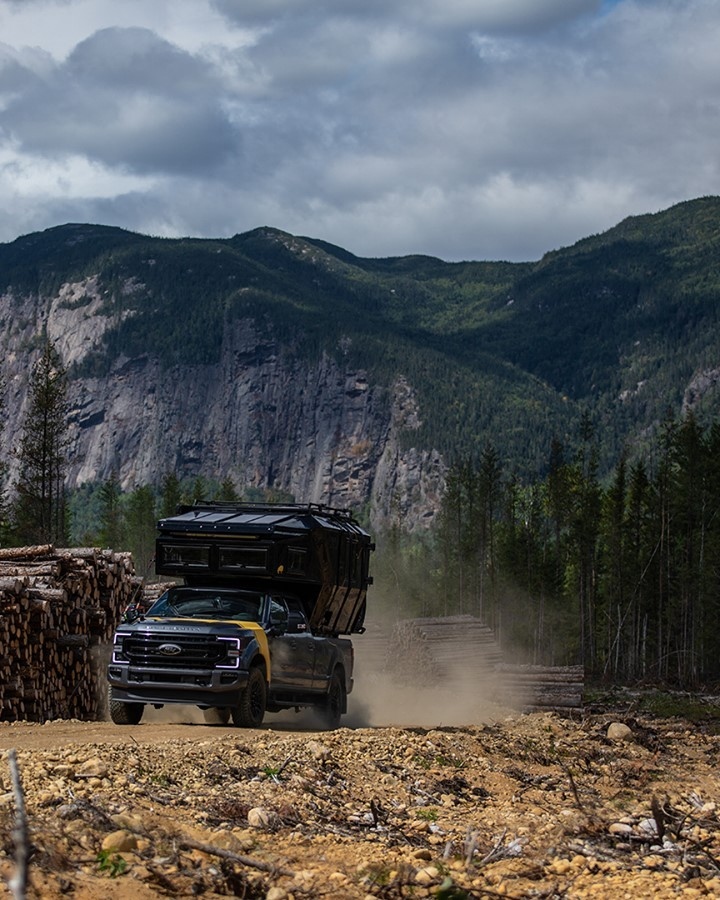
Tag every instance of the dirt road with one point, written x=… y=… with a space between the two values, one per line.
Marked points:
x=62 y=735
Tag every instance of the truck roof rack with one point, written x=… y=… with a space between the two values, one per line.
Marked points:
x=289 y=508
x=234 y=517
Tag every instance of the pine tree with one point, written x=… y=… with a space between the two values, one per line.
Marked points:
x=450 y=531
x=111 y=518
x=228 y=491
x=584 y=533
x=490 y=490
x=197 y=491
x=140 y=524
x=39 y=508
x=171 y=495
x=4 y=510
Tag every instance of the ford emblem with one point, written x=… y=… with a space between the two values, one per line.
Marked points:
x=169 y=649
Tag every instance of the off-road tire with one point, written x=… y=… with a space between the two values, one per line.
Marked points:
x=216 y=716
x=250 y=711
x=335 y=702
x=126 y=713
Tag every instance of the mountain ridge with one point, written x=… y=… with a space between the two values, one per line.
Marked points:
x=285 y=361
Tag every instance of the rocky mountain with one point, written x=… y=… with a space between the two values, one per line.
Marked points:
x=287 y=363
x=319 y=431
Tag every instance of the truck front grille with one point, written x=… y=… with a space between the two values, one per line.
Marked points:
x=195 y=651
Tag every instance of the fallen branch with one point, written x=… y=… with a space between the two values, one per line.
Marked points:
x=501 y=850
x=471 y=845
x=189 y=844
x=18 y=883
x=496 y=852
x=701 y=847
x=573 y=786
x=659 y=816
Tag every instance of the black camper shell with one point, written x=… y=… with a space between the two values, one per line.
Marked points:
x=319 y=554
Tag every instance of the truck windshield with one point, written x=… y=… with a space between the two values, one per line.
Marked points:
x=208 y=603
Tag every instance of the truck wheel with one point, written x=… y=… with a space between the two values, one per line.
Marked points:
x=250 y=711
x=216 y=716
x=335 y=702
x=126 y=713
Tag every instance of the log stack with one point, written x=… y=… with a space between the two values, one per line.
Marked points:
x=544 y=688
x=429 y=651
x=58 y=607
x=462 y=652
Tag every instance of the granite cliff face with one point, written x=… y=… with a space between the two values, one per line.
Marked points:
x=320 y=431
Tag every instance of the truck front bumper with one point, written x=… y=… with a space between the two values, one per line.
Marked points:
x=156 y=686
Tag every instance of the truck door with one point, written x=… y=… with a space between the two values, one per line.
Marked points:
x=293 y=653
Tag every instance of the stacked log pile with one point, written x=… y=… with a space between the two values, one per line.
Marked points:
x=462 y=651
x=372 y=652
x=151 y=592
x=431 y=650
x=57 y=606
x=545 y=688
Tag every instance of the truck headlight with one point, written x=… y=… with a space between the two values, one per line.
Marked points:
x=233 y=652
x=118 y=653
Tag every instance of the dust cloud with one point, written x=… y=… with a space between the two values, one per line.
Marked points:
x=460 y=697
x=377 y=701
x=174 y=714
x=393 y=690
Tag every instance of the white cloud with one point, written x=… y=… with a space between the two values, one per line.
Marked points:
x=58 y=25
x=64 y=179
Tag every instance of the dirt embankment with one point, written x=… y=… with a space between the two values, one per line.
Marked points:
x=527 y=806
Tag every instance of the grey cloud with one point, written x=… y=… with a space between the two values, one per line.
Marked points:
x=522 y=16
x=582 y=124
x=136 y=59
x=23 y=67
x=265 y=11
x=126 y=98
x=502 y=15
x=15 y=78
x=22 y=3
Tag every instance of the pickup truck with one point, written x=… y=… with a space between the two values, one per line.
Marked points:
x=256 y=625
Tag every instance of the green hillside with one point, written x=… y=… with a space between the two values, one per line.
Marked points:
x=617 y=324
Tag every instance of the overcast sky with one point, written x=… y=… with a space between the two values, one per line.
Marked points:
x=465 y=129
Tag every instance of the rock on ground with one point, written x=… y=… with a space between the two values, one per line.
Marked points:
x=532 y=806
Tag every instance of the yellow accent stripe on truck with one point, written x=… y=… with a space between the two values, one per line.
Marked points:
x=262 y=640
